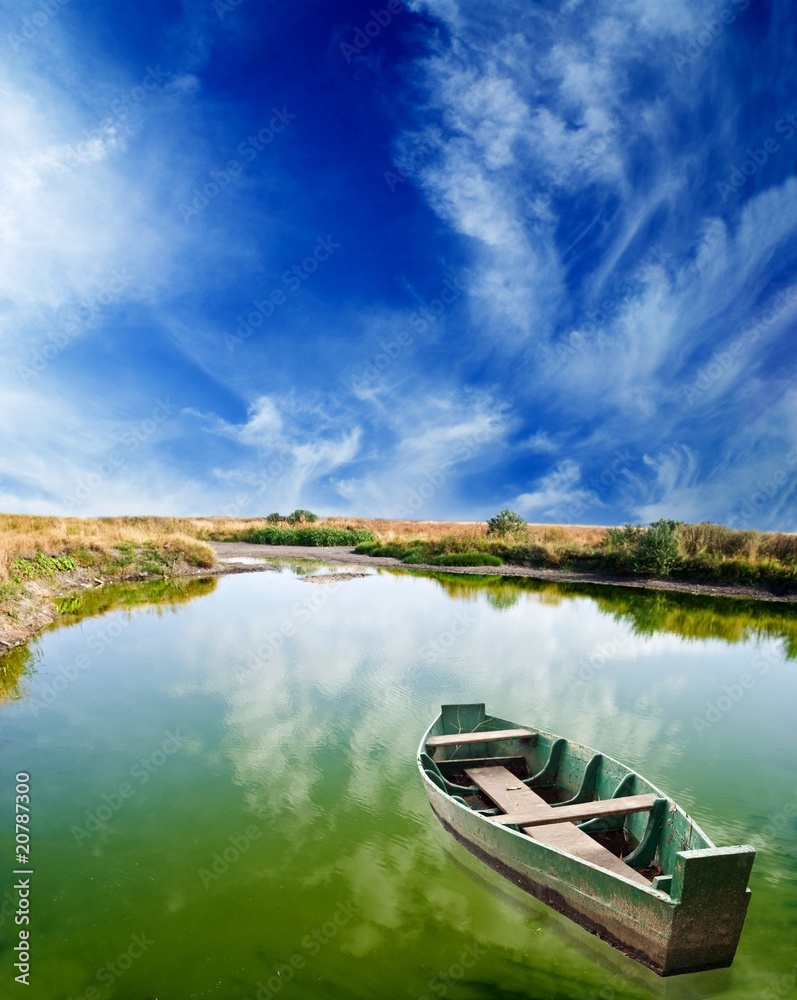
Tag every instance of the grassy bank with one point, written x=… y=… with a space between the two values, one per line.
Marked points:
x=42 y=559
x=37 y=548
x=705 y=553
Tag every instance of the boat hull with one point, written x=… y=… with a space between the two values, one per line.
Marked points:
x=695 y=926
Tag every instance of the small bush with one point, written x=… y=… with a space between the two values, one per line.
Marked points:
x=275 y=518
x=617 y=538
x=619 y=547
x=656 y=550
x=301 y=517
x=506 y=522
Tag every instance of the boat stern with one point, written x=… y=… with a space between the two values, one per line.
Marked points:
x=710 y=888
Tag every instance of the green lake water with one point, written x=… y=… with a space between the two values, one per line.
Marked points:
x=225 y=803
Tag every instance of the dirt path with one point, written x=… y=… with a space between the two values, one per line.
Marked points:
x=229 y=552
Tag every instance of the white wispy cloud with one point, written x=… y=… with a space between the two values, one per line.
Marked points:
x=540 y=443
x=557 y=494
x=264 y=425
x=289 y=446
x=433 y=444
x=61 y=456
x=614 y=339
x=74 y=206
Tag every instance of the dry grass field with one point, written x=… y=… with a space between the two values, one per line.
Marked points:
x=469 y=531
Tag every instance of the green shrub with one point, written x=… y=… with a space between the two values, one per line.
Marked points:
x=506 y=522
x=619 y=548
x=301 y=517
x=619 y=538
x=656 y=550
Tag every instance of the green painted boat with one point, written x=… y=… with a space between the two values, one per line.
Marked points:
x=589 y=837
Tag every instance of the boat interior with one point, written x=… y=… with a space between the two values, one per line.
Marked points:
x=559 y=793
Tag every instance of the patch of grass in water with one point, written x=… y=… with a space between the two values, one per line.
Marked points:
x=16 y=664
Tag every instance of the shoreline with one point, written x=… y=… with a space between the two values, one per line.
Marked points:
x=24 y=617
x=36 y=610
x=344 y=555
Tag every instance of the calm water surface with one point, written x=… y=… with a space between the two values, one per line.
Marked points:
x=225 y=802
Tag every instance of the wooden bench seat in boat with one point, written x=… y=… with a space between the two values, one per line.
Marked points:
x=488 y=736
x=516 y=799
x=537 y=816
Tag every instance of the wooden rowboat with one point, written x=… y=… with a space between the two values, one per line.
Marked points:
x=589 y=837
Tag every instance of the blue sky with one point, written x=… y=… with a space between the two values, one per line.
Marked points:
x=425 y=260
